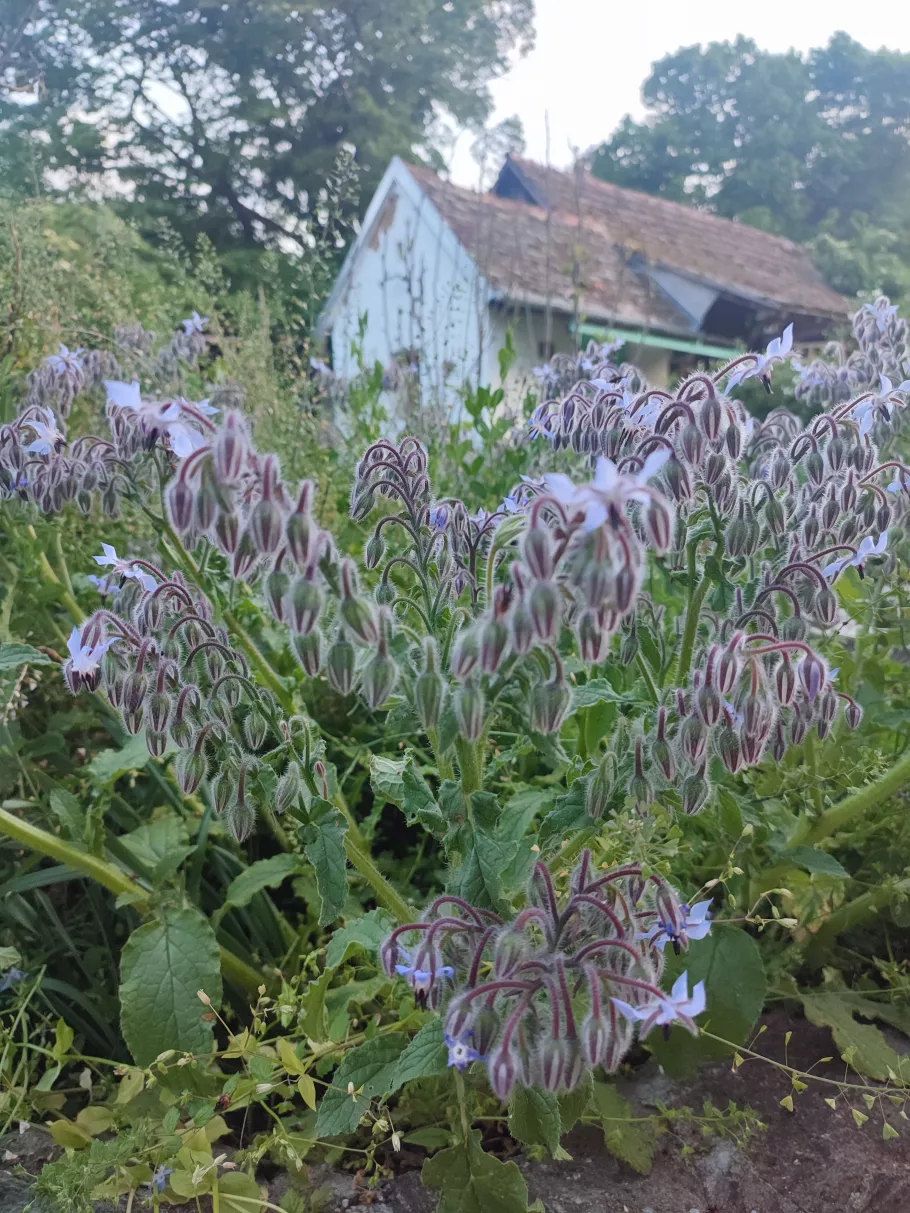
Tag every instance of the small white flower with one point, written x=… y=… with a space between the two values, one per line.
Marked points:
x=868 y=547
x=776 y=351
x=124 y=568
x=195 y=324
x=48 y=436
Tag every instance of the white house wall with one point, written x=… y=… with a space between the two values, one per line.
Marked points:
x=418 y=289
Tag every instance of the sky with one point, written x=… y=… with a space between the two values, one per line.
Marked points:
x=592 y=57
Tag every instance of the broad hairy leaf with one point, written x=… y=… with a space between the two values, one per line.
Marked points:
x=817 y=862
x=69 y=812
x=371 y=1067
x=729 y=963
x=263 y=874
x=574 y=1104
x=111 y=764
x=631 y=1141
x=361 y=935
x=534 y=1118
x=13 y=656
x=426 y=1056
x=324 y=846
x=164 y=839
x=479 y=878
x=162 y=966
x=568 y=816
x=472 y=1181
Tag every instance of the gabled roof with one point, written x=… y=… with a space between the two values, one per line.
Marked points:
x=531 y=256
x=734 y=257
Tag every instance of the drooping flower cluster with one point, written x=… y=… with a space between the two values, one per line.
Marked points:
x=564 y=371
x=547 y=996
x=175 y=677
x=879 y=362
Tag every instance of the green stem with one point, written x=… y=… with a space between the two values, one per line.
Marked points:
x=693 y=611
x=49 y=577
x=109 y=877
x=61 y=562
x=385 y=894
x=855 y=805
x=812 y=764
x=470 y=760
x=462 y=1105
x=444 y=764
x=646 y=674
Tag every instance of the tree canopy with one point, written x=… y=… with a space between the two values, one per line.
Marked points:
x=228 y=118
x=798 y=144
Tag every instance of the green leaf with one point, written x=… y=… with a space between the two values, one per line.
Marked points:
x=479 y=879
x=568 y=816
x=68 y=811
x=364 y=934
x=371 y=1068
x=433 y=1138
x=870 y=1053
x=574 y=1104
x=63 y=1039
x=426 y=1056
x=817 y=862
x=263 y=874
x=312 y=1005
x=534 y=1118
x=519 y=813
x=596 y=690
x=631 y=1141
x=9 y=959
x=387 y=778
x=12 y=656
x=239 y=1185
x=324 y=846
x=156 y=840
x=471 y=1181
x=162 y=966
x=111 y=764
x=730 y=965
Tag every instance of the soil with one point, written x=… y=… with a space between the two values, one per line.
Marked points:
x=813 y=1160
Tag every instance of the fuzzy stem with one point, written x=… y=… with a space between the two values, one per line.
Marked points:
x=856 y=804
x=693 y=611
x=111 y=878
x=470 y=760
x=385 y=894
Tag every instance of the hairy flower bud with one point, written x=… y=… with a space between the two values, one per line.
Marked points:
x=694 y=794
x=230 y=449
x=659 y=526
x=693 y=738
x=502 y=1072
x=470 y=706
x=265 y=526
x=378 y=679
x=255 y=729
x=429 y=689
x=812 y=674
x=640 y=791
x=340 y=665
x=785 y=681
x=708 y=704
x=155 y=742
x=662 y=754
x=733 y=439
x=729 y=749
x=630 y=646
x=521 y=628
x=692 y=443
x=245 y=557
x=360 y=620
x=308 y=650
x=190 y=768
x=710 y=417
x=374 y=550
x=494 y=643
x=227 y=532
x=537 y=549
x=545 y=610
x=465 y=652
x=826 y=606
x=303 y=605
x=853 y=714
x=276 y=586
x=180 y=501
x=158 y=710
x=288 y=789
x=550 y=703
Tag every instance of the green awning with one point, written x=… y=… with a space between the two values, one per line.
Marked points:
x=633 y=337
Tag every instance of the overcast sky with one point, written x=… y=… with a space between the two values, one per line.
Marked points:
x=592 y=57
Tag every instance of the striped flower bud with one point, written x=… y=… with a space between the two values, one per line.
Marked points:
x=630 y=646
x=465 y=653
x=521 y=628
x=245 y=557
x=640 y=791
x=785 y=681
x=595 y=1038
x=826 y=606
x=713 y=467
x=827 y=704
x=830 y=511
x=708 y=704
x=662 y=754
x=733 y=439
x=692 y=443
x=812 y=674
x=470 y=706
x=255 y=729
x=778 y=742
x=374 y=550
x=693 y=738
x=659 y=526
x=158 y=711
x=230 y=449
x=378 y=678
x=288 y=789
x=624 y=589
x=180 y=502
x=550 y=703
x=836 y=454
x=360 y=620
x=694 y=794
x=599 y=789
x=502 y=1072
x=340 y=665
x=303 y=605
x=553 y=1061
x=793 y=628
x=308 y=650
x=853 y=714
x=798 y=727
x=537 y=549
x=265 y=526
x=729 y=749
x=545 y=609
x=227 y=532
x=156 y=743
x=592 y=640
x=494 y=643
x=190 y=768
x=429 y=689
x=276 y=586
x=710 y=417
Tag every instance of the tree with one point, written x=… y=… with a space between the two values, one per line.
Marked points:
x=228 y=118
x=792 y=143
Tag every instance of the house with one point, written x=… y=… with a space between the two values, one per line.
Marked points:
x=441 y=272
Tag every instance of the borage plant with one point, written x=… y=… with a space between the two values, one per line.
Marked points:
x=638 y=625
